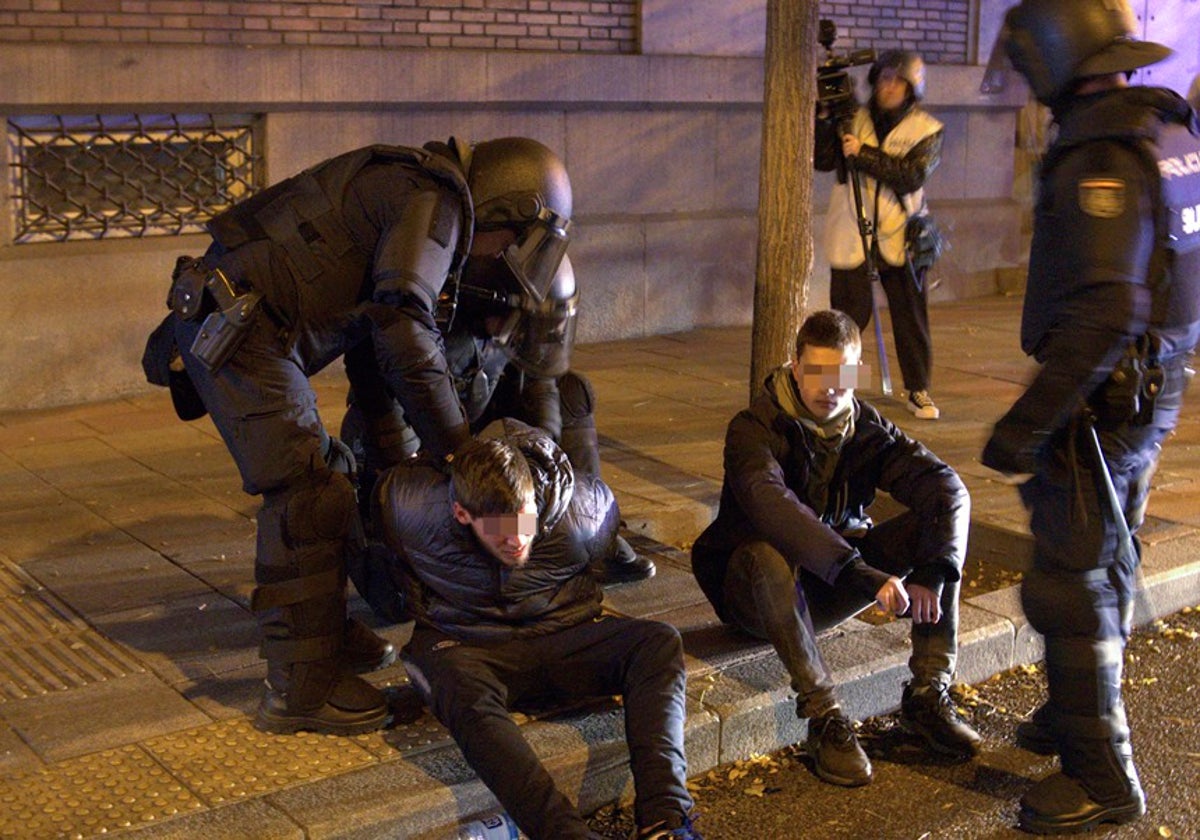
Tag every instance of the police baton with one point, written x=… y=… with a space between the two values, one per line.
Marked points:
x=866 y=231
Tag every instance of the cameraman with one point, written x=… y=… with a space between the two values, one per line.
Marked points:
x=894 y=145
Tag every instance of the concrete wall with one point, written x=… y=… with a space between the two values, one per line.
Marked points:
x=663 y=152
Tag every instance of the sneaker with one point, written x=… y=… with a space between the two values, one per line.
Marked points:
x=835 y=751
x=930 y=713
x=921 y=406
x=685 y=831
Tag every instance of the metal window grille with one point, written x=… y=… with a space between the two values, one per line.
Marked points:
x=107 y=176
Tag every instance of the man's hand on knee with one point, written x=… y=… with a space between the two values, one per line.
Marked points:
x=926 y=604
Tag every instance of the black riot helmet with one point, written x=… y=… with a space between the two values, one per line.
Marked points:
x=518 y=184
x=535 y=329
x=908 y=65
x=540 y=330
x=1054 y=43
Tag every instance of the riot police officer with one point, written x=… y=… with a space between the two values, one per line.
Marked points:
x=501 y=369
x=1112 y=312
x=348 y=259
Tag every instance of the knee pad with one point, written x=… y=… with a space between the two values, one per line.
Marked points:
x=577 y=396
x=1079 y=604
x=308 y=513
x=321 y=512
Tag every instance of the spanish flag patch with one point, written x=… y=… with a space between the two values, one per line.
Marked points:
x=1103 y=198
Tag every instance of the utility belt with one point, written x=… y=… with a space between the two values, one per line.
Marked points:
x=1128 y=396
x=228 y=312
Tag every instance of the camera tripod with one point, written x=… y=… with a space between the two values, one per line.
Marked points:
x=866 y=234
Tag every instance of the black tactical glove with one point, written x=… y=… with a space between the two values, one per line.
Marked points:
x=389 y=439
x=339 y=457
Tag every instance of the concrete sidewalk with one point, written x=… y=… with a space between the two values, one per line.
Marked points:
x=128 y=663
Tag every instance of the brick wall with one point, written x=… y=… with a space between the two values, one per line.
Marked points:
x=555 y=25
x=937 y=29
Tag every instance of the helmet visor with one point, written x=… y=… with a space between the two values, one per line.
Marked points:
x=534 y=259
x=538 y=337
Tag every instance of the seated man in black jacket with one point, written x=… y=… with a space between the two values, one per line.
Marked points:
x=493 y=564
x=793 y=552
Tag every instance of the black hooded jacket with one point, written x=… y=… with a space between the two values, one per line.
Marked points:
x=451 y=583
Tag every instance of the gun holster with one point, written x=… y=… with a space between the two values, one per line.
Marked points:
x=1129 y=393
x=227 y=325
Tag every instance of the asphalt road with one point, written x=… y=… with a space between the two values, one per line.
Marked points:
x=916 y=796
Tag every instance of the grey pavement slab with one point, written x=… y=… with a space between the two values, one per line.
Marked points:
x=99 y=716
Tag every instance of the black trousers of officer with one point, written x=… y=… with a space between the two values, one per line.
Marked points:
x=1080 y=593
x=471 y=687
x=850 y=291
x=769 y=600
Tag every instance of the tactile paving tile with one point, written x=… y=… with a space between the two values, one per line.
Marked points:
x=411 y=737
x=44 y=647
x=91 y=796
x=231 y=760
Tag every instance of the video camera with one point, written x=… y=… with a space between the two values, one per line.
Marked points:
x=835 y=88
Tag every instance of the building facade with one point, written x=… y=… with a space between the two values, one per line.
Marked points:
x=129 y=122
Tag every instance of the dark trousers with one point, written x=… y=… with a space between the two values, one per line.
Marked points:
x=1080 y=593
x=850 y=291
x=471 y=687
x=768 y=599
x=263 y=405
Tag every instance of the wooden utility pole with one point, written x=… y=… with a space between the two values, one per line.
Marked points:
x=785 y=249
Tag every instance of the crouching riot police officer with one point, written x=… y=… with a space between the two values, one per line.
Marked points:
x=1112 y=313
x=347 y=258
x=508 y=351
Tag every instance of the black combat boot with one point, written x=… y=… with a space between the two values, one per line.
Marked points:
x=625 y=565
x=929 y=711
x=364 y=651
x=319 y=697
x=1098 y=784
x=1037 y=733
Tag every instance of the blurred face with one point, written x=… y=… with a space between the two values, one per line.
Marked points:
x=890 y=89
x=826 y=378
x=506 y=536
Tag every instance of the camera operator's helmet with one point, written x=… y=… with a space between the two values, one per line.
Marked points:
x=520 y=185
x=1054 y=43
x=908 y=65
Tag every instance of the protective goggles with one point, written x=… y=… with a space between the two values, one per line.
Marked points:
x=535 y=257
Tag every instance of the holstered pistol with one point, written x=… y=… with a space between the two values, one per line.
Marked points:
x=226 y=327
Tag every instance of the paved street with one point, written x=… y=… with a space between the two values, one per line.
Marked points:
x=128 y=656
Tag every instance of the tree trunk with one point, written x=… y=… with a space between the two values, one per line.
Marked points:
x=785 y=249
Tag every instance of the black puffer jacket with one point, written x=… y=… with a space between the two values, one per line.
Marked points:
x=454 y=585
x=767 y=464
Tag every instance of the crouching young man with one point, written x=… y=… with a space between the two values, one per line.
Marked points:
x=793 y=552
x=493 y=561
